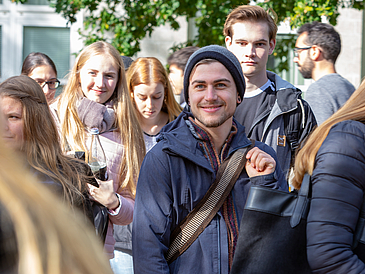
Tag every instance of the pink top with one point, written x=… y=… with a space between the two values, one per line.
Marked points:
x=90 y=112
x=123 y=215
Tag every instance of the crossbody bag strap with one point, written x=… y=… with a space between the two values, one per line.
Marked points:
x=197 y=220
x=302 y=204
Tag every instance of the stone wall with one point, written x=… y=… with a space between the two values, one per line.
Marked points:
x=162 y=39
x=349 y=25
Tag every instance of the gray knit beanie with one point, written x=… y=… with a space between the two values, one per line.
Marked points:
x=222 y=55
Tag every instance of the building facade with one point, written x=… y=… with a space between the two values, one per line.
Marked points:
x=35 y=26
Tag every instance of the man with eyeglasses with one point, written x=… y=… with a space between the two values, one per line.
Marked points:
x=316 y=50
x=273 y=111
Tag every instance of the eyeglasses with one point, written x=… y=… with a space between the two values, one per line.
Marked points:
x=52 y=84
x=297 y=50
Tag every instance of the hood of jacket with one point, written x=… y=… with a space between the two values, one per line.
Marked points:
x=286 y=99
x=286 y=93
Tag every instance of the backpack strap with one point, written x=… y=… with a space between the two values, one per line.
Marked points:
x=198 y=219
x=293 y=129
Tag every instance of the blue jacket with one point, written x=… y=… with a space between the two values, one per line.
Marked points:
x=174 y=177
x=338 y=184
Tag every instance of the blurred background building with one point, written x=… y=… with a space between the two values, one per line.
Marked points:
x=35 y=26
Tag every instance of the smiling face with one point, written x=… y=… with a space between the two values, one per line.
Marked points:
x=13 y=122
x=251 y=45
x=149 y=99
x=99 y=77
x=212 y=95
x=44 y=74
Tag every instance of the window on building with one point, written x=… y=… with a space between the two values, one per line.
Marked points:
x=55 y=42
x=284 y=52
x=37 y=2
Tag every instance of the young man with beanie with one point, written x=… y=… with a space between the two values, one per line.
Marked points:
x=272 y=110
x=178 y=171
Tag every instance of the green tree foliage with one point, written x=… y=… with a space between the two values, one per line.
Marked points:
x=125 y=23
x=304 y=11
x=300 y=12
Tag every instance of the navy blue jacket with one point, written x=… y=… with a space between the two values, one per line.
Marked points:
x=174 y=177
x=338 y=184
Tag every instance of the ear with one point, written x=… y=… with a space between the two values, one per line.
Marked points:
x=228 y=41
x=315 y=53
x=239 y=100
x=272 y=45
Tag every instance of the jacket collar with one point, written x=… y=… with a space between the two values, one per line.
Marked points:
x=286 y=93
x=178 y=140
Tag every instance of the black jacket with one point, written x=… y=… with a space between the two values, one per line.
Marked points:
x=338 y=184
x=290 y=116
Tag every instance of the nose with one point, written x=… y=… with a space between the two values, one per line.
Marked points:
x=149 y=103
x=295 y=59
x=49 y=93
x=46 y=89
x=211 y=94
x=99 y=81
x=249 y=50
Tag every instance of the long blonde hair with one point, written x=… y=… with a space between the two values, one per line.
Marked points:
x=353 y=109
x=49 y=237
x=41 y=143
x=131 y=134
x=148 y=70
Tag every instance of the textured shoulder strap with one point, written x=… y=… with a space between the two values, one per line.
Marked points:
x=197 y=220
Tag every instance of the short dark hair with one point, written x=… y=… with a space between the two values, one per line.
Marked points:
x=324 y=36
x=180 y=57
x=34 y=60
x=127 y=61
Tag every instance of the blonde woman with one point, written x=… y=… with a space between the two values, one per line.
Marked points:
x=153 y=97
x=96 y=95
x=334 y=156
x=39 y=234
x=155 y=106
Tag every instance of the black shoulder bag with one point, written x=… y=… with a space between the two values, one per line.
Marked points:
x=272 y=237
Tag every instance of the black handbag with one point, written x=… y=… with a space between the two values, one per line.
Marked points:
x=100 y=214
x=101 y=219
x=272 y=237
